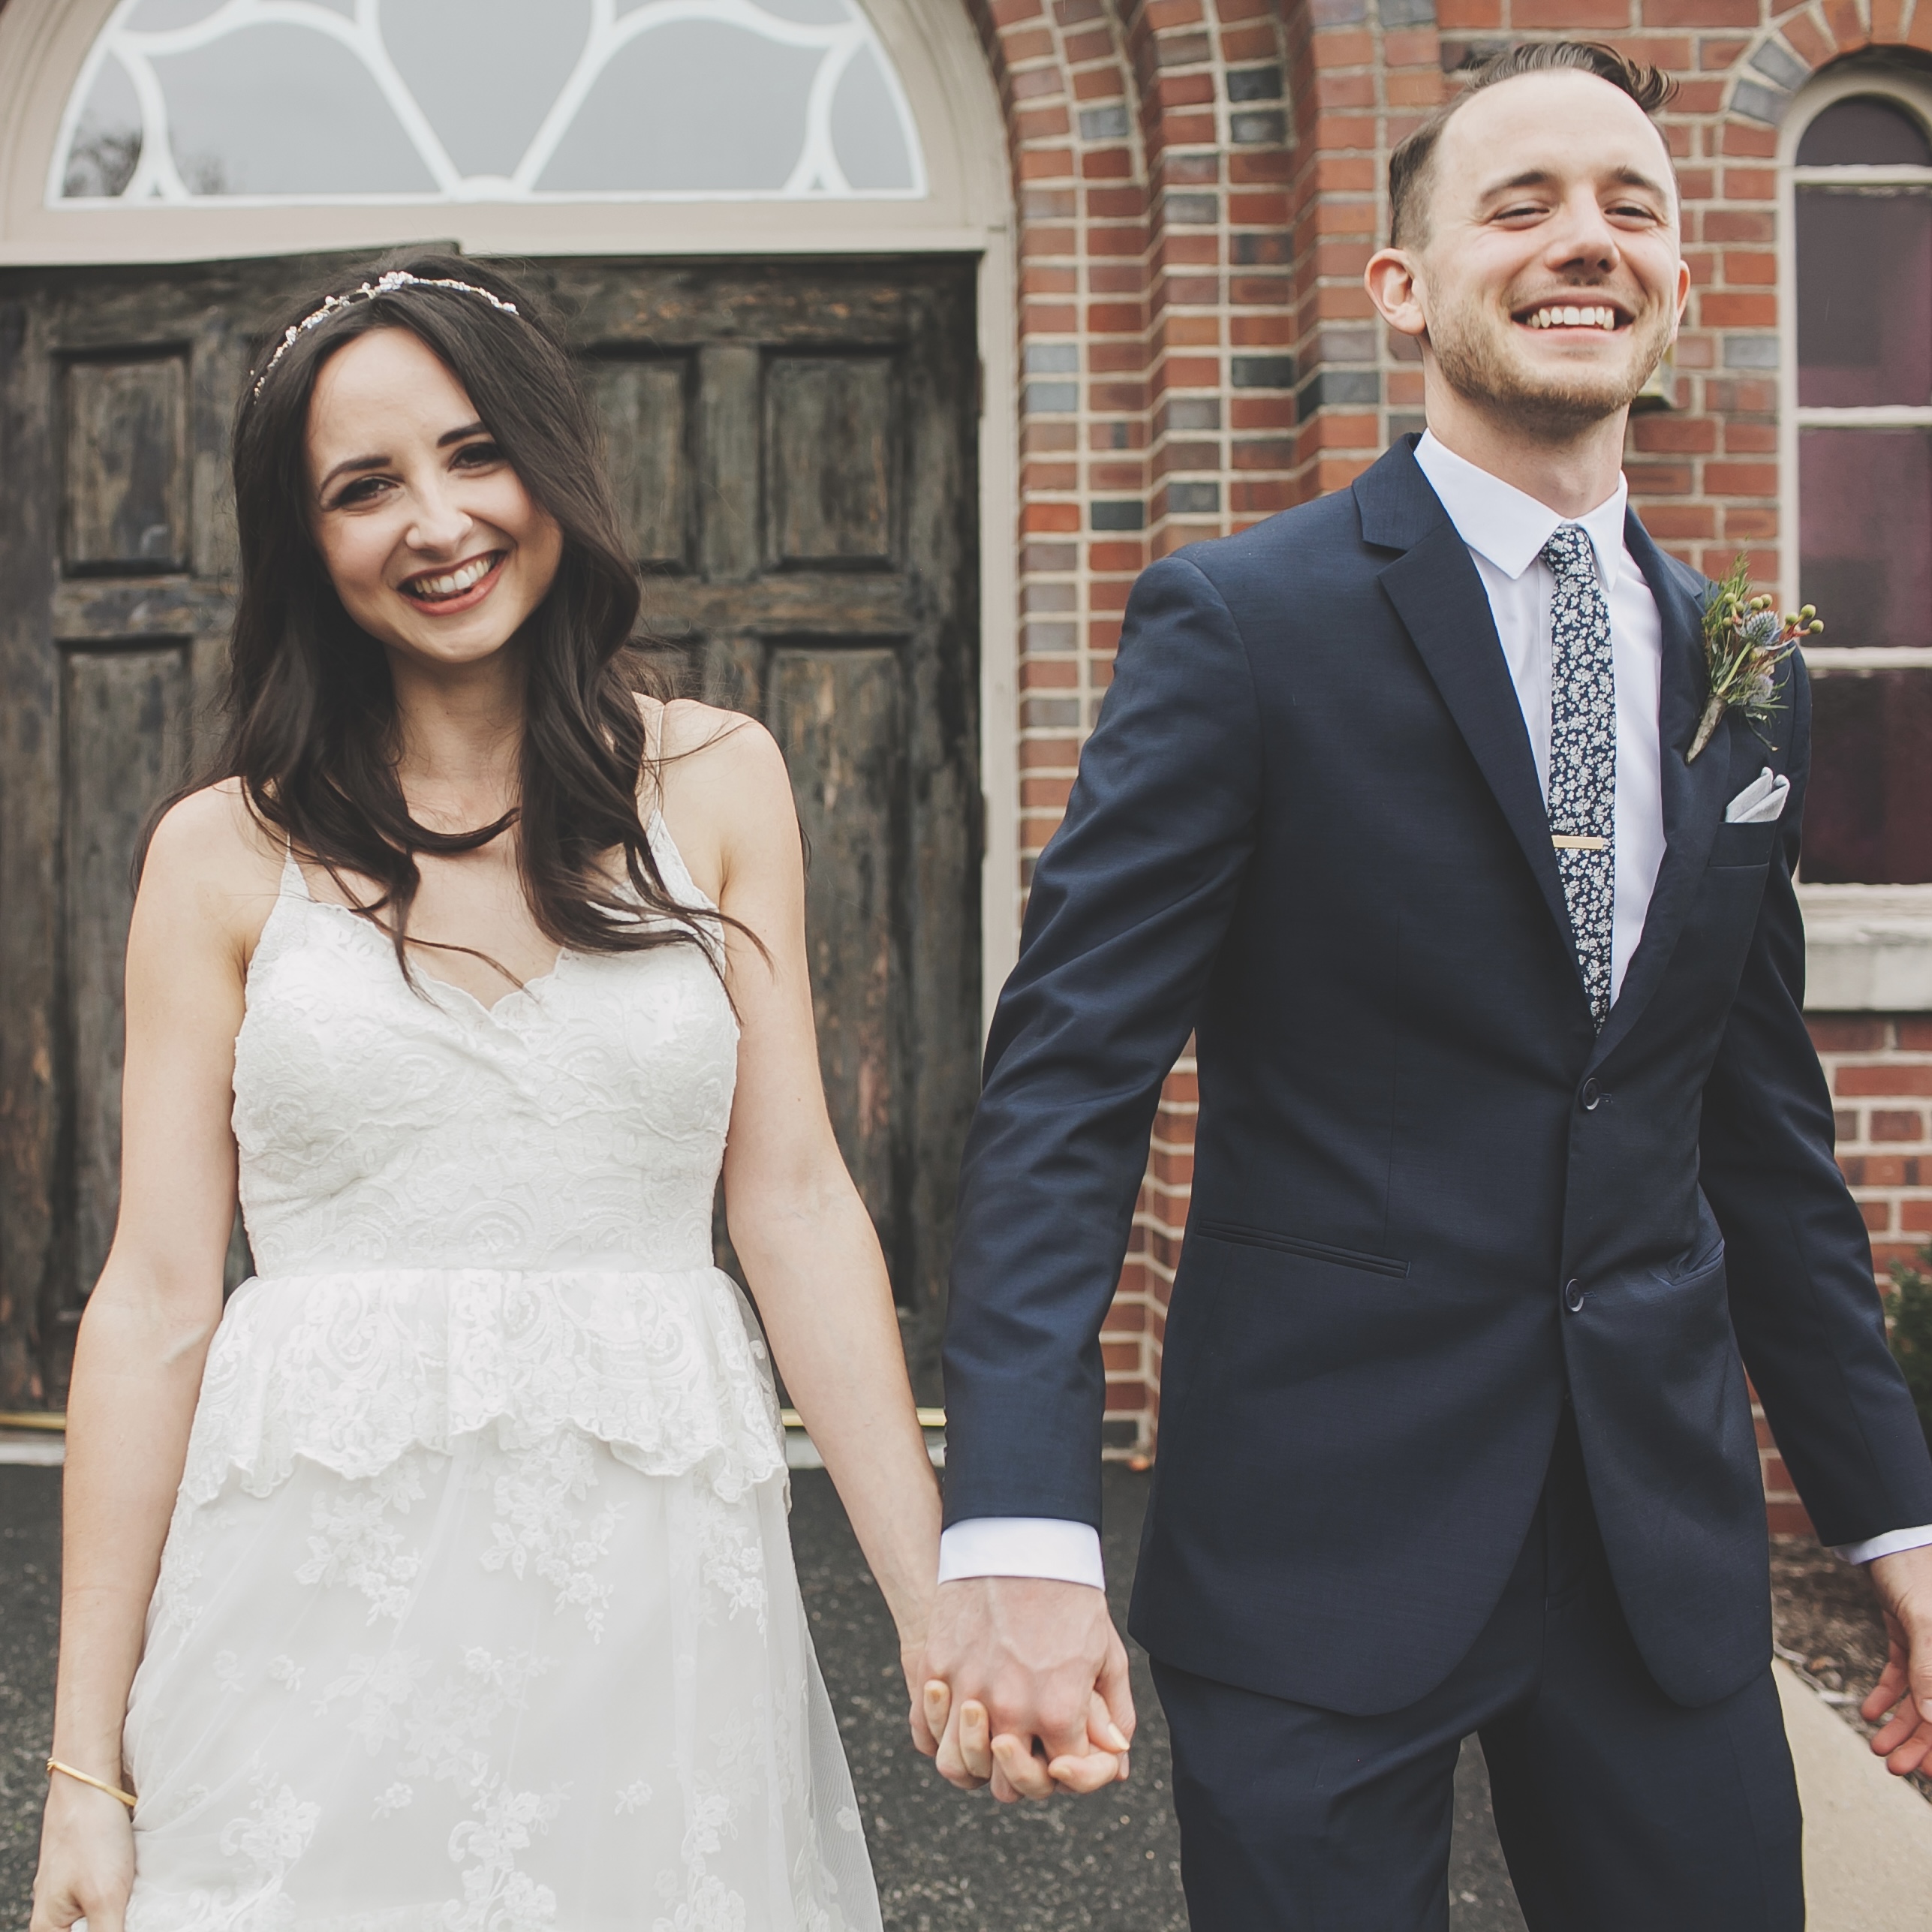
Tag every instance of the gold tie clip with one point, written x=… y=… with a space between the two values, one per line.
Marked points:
x=1577 y=841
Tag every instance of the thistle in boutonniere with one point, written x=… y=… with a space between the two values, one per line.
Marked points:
x=1745 y=641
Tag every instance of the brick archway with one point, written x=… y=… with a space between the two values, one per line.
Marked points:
x=1197 y=185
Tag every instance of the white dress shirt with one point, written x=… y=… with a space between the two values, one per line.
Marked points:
x=1505 y=531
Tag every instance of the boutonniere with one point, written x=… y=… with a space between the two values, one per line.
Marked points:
x=1745 y=641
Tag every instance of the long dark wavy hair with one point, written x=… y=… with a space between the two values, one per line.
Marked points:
x=309 y=710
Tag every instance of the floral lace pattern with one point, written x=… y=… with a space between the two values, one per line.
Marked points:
x=578 y=1122
x=351 y=1370
x=476 y=1611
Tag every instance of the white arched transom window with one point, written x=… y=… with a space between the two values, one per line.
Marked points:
x=1858 y=451
x=239 y=102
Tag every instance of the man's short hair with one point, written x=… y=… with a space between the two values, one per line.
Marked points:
x=1409 y=165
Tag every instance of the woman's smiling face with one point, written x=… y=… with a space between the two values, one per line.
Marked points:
x=433 y=544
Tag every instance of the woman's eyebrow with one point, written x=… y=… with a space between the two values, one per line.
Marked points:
x=352 y=463
x=378 y=462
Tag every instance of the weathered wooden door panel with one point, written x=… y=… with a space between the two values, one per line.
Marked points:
x=126 y=474
x=117 y=387
x=791 y=448
x=645 y=406
x=838 y=716
x=829 y=438
x=125 y=718
x=831 y=455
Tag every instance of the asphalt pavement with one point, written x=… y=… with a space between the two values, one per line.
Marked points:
x=946 y=1862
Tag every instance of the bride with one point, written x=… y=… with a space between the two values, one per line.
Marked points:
x=442 y=1580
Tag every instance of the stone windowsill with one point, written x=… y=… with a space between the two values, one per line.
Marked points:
x=1868 y=948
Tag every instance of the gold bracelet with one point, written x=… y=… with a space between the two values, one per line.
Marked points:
x=127 y=1798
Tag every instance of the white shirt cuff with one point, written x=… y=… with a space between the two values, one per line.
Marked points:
x=1890 y=1544
x=1043 y=1546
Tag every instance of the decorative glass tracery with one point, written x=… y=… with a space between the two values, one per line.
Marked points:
x=254 y=101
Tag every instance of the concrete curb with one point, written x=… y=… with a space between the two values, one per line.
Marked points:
x=1867 y=1835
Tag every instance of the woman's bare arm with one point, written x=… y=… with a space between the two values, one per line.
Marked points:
x=145 y=1335
x=810 y=1253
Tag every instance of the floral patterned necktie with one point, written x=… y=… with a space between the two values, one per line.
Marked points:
x=1583 y=755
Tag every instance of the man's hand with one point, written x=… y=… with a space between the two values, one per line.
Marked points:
x=1903 y=1584
x=1038 y=1681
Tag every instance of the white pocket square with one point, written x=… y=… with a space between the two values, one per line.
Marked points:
x=1761 y=801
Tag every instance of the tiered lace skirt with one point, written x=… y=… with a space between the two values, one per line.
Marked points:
x=477 y=1613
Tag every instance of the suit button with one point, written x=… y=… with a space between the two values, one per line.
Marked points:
x=1573 y=1296
x=1592 y=1093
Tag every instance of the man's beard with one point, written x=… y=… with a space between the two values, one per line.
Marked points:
x=1549 y=406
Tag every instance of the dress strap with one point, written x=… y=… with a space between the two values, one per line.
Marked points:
x=294 y=880
x=677 y=880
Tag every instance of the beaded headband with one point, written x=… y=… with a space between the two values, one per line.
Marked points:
x=386 y=284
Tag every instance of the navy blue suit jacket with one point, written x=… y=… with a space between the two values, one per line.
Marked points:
x=1307 y=828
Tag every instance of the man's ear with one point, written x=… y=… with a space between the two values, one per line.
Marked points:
x=1393 y=286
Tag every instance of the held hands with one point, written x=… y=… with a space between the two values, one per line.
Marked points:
x=1903 y=1584
x=1026 y=1688
x=971 y=1756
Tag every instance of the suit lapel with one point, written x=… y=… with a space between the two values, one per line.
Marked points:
x=1694 y=794
x=1440 y=600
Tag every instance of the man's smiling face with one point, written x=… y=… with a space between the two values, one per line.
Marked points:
x=1547 y=272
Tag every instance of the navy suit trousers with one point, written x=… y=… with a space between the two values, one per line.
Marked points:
x=1617 y=1809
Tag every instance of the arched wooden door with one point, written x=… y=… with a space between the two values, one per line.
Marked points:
x=794 y=449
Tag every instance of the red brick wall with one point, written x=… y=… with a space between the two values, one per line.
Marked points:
x=1152 y=153
x=1880 y=1068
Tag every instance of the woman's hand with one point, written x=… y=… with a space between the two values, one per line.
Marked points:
x=87 y=1860
x=969 y=1756
x=919 y=1695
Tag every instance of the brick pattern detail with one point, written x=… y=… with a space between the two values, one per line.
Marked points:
x=1879 y=1070
x=1362 y=83
x=1150 y=144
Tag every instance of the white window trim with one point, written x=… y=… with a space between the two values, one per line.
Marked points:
x=1868 y=948
x=968 y=210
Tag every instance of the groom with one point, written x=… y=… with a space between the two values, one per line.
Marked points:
x=1511 y=1143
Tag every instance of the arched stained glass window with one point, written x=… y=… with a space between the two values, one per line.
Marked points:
x=236 y=102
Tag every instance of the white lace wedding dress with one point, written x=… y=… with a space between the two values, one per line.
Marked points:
x=477 y=1611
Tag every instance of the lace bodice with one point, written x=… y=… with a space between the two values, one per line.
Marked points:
x=467 y=1218
x=579 y=1123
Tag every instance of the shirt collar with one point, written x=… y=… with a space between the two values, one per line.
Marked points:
x=1509 y=527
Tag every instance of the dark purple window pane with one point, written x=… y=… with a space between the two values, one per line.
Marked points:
x=1867 y=131
x=1865 y=533
x=1864 y=297
x=1868 y=814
